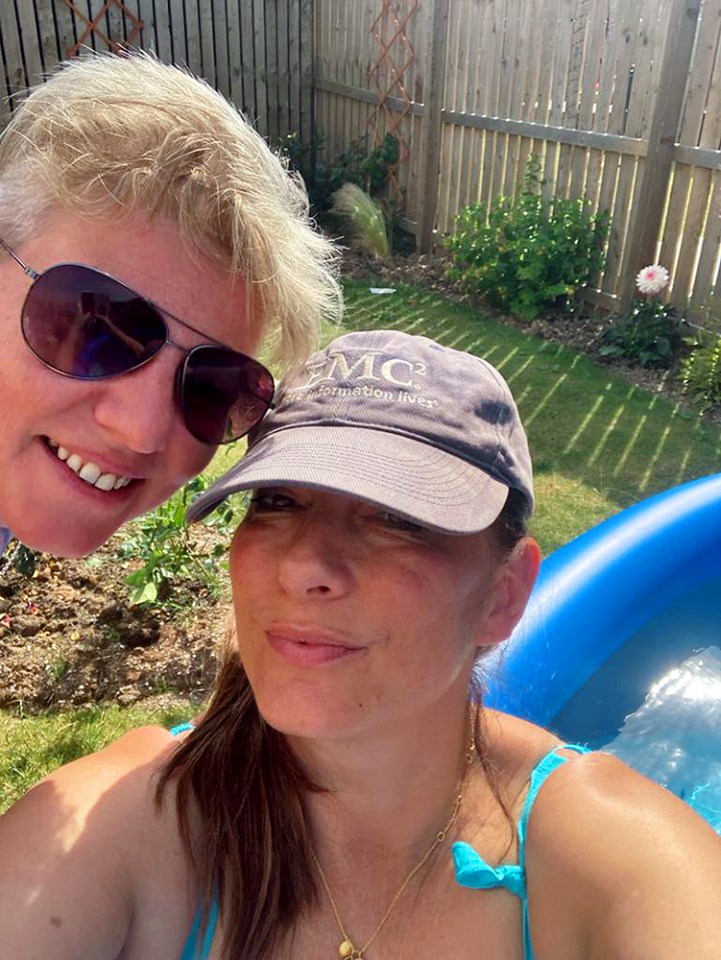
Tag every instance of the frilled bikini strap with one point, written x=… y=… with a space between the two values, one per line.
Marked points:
x=473 y=871
x=181 y=728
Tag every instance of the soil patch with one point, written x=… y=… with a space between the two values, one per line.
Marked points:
x=69 y=637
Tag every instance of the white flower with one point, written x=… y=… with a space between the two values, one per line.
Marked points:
x=652 y=279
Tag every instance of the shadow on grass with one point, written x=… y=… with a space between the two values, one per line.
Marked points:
x=32 y=746
x=583 y=421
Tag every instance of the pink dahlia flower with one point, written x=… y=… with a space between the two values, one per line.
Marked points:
x=652 y=279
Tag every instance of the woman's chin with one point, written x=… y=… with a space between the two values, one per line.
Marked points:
x=309 y=719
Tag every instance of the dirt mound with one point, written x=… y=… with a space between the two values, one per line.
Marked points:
x=68 y=635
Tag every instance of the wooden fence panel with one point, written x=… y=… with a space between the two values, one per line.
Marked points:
x=267 y=35
x=352 y=77
x=454 y=86
x=163 y=34
x=242 y=51
x=692 y=225
x=178 y=40
x=575 y=82
x=259 y=53
x=216 y=47
x=15 y=77
x=193 y=39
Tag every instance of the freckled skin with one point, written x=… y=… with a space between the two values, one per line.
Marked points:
x=392 y=588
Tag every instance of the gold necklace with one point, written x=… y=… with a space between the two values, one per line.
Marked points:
x=347 y=949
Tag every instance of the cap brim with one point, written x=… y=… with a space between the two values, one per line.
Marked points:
x=407 y=477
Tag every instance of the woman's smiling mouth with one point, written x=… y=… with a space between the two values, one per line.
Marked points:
x=87 y=470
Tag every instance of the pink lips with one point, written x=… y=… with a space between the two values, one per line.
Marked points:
x=309 y=648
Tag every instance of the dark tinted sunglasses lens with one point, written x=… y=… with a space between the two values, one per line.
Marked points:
x=87 y=325
x=223 y=394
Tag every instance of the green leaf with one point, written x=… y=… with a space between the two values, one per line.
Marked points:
x=25 y=560
x=144 y=593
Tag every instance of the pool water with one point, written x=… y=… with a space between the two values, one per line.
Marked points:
x=656 y=702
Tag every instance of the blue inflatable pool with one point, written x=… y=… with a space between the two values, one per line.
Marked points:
x=620 y=646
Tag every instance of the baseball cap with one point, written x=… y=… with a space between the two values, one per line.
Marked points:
x=425 y=431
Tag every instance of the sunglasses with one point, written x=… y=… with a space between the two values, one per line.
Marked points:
x=83 y=323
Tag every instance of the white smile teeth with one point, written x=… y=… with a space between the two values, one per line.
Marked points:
x=88 y=471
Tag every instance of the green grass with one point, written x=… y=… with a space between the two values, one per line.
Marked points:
x=31 y=746
x=598 y=445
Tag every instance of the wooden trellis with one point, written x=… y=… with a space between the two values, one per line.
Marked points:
x=92 y=27
x=395 y=104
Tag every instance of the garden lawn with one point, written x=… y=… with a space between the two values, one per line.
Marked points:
x=598 y=443
x=32 y=746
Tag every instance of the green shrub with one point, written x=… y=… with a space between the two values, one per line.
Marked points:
x=701 y=372
x=649 y=334
x=365 y=166
x=527 y=254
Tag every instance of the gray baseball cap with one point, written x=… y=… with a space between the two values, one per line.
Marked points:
x=425 y=431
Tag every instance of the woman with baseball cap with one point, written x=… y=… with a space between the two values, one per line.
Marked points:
x=345 y=794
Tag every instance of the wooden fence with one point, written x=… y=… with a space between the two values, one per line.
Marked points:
x=259 y=53
x=621 y=101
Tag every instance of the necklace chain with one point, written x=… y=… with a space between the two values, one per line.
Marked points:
x=347 y=949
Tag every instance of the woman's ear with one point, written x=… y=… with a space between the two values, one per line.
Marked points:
x=510 y=591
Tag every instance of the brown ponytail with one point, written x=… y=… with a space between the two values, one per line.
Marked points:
x=253 y=848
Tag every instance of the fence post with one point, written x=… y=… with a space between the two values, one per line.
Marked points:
x=646 y=225
x=431 y=128
x=306 y=121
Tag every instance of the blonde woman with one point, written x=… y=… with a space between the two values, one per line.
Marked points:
x=150 y=245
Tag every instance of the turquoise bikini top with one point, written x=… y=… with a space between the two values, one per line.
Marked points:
x=471 y=870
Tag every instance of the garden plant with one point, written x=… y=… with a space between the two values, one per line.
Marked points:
x=528 y=254
x=648 y=332
x=701 y=370
x=362 y=221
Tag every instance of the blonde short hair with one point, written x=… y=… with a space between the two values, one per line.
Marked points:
x=108 y=135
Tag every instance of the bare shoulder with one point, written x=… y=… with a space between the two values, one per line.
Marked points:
x=598 y=790
x=127 y=763
x=72 y=849
x=633 y=866
x=516 y=746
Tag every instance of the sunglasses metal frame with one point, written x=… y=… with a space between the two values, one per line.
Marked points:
x=209 y=341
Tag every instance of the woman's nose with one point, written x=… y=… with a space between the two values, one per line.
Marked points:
x=138 y=409
x=317 y=564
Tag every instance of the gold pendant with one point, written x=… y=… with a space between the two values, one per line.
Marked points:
x=348 y=951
